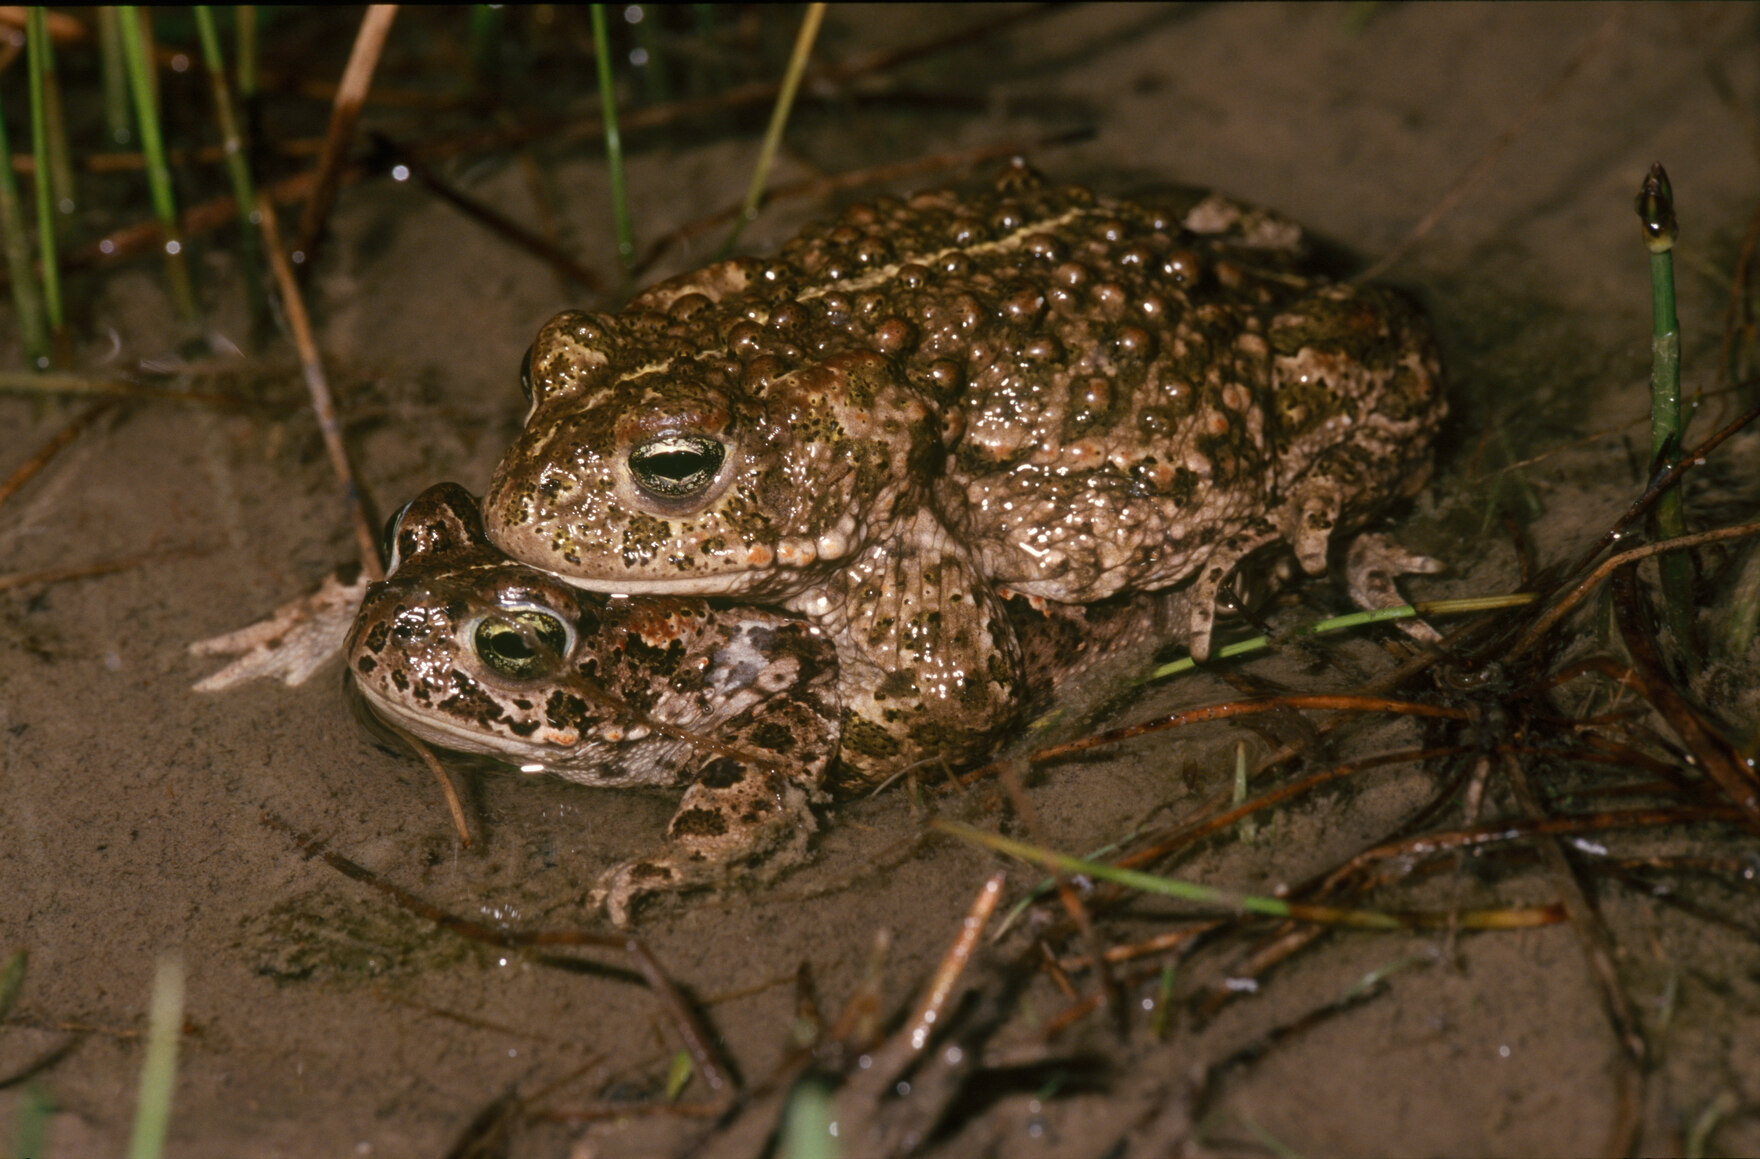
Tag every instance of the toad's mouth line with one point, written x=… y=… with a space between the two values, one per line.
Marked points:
x=617 y=587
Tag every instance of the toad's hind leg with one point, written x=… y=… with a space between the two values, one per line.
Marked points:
x=1217 y=568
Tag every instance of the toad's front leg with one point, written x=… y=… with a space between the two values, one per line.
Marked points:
x=748 y=810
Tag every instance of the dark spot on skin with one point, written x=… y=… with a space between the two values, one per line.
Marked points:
x=699 y=823
x=722 y=773
x=648 y=871
x=377 y=637
x=399 y=679
x=773 y=737
x=367 y=664
x=564 y=710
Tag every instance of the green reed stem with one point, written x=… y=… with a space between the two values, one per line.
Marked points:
x=31 y=1127
x=488 y=25
x=159 y=1069
x=115 y=73
x=1467 y=605
x=26 y=296
x=238 y=170
x=1655 y=205
x=146 y=107
x=37 y=54
x=791 y=83
x=1362 y=919
x=60 y=158
x=656 y=87
x=245 y=16
x=626 y=236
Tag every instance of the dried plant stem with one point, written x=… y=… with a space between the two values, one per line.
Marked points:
x=791 y=83
x=146 y=107
x=447 y=792
x=1563 y=607
x=345 y=112
x=1598 y=948
x=50 y=449
x=319 y=386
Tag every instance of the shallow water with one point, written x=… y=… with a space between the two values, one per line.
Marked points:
x=321 y=1020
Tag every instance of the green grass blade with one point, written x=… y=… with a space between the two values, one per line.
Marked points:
x=626 y=237
x=1466 y=605
x=32 y=1129
x=26 y=298
x=238 y=170
x=146 y=107
x=152 y=1114
x=117 y=129
x=791 y=83
x=37 y=52
x=1655 y=205
x=809 y=1127
x=246 y=17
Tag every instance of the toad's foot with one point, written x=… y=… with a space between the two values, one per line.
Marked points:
x=291 y=644
x=724 y=829
x=1370 y=568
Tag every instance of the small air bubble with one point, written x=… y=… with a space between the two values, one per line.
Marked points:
x=106 y=246
x=179 y=63
x=633 y=13
x=174 y=247
x=400 y=173
x=638 y=56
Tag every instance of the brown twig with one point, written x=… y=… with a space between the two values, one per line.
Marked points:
x=46 y=453
x=1563 y=606
x=357 y=78
x=319 y=386
x=1072 y=904
x=60 y=575
x=447 y=792
x=1597 y=945
x=1239 y=708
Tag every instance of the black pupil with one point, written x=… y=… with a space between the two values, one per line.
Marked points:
x=676 y=465
x=521 y=643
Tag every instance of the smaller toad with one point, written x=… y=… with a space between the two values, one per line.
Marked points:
x=470 y=652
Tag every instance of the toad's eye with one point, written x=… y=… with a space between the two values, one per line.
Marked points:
x=525 y=374
x=388 y=552
x=676 y=466
x=521 y=642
